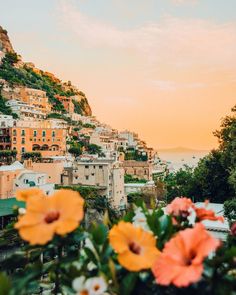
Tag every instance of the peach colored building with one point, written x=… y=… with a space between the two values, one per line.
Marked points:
x=8 y=175
x=36 y=98
x=67 y=103
x=53 y=169
x=47 y=141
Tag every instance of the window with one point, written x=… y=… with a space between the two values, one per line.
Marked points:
x=100 y=167
x=44 y=133
x=53 y=133
x=87 y=177
x=86 y=166
x=23 y=140
x=35 y=133
x=14 y=132
x=22 y=132
x=92 y=174
x=22 y=149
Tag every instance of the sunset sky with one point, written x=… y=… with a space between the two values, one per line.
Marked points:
x=163 y=68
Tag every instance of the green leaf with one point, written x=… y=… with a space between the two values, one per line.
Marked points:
x=99 y=234
x=129 y=216
x=91 y=255
x=5 y=284
x=128 y=283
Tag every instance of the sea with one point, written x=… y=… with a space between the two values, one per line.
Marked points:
x=177 y=160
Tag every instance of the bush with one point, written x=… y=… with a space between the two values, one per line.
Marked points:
x=35 y=156
x=133 y=255
x=230 y=210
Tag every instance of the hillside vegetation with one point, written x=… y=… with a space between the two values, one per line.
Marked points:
x=26 y=76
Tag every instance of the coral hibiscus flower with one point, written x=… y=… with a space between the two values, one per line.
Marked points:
x=204 y=214
x=25 y=194
x=181 y=262
x=136 y=247
x=180 y=207
x=45 y=216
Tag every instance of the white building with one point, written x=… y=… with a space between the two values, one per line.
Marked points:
x=6 y=121
x=32 y=179
x=131 y=137
x=102 y=140
x=105 y=175
x=23 y=109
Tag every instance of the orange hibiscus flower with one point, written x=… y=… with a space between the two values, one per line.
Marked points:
x=180 y=207
x=181 y=262
x=204 y=214
x=25 y=194
x=45 y=216
x=136 y=247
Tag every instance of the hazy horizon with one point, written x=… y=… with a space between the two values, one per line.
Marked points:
x=165 y=69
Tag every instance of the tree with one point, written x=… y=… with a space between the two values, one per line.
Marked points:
x=180 y=183
x=94 y=149
x=211 y=178
x=11 y=58
x=214 y=178
x=7 y=156
x=34 y=156
x=128 y=178
x=230 y=210
x=75 y=151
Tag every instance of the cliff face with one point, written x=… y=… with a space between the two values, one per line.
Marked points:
x=32 y=77
x=5 y=44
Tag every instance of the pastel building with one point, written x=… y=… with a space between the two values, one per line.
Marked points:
x=22 y=109
x=48 y=141
x=105 y=175
x=6 y=121
x=53 y=168
x=31 y=179
x=36 y=98
x=139 y=169
x=8 y=175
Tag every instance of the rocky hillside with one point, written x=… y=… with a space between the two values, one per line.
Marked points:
x=5 y=44
x=16 y=72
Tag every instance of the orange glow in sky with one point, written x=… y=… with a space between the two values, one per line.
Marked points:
x=164 y=69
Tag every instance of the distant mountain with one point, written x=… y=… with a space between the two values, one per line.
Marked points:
x=17 y=73
x=181 y=150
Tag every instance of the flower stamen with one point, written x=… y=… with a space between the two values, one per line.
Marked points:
x=52 y=216
x=136 y=249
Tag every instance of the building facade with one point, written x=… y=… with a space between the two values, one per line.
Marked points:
x=36 y=98
x=8 y=175
x=31 y=179
x=105 y=175
x=47 y=141
x=139 y=169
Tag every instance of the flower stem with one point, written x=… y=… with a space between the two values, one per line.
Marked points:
x=57 y=270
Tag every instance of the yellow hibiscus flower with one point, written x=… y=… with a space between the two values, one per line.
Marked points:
x=48 y=215
x=136 y=247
